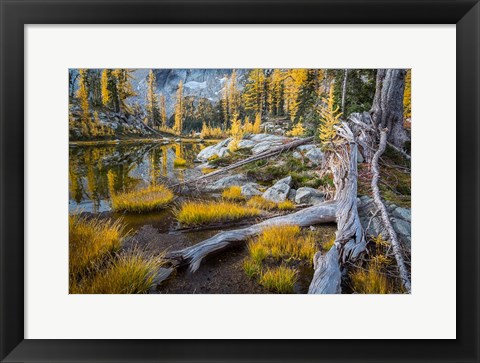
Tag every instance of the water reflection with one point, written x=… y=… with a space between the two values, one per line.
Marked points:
x=96 y=171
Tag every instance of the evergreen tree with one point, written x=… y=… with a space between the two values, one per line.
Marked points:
x=359 y=90
x=163 y=110
x=94 y=86
x=294 y=81
x=233 y=95
x=82 y=96
x=153 y=113
x=275 y=92
x=123 y=89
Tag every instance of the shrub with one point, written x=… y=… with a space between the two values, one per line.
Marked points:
x=144 y=200
x=129 y=273
x=90 y=240
x=233 y=193
x=286 y=205
x=196 y=213
x=257 y=201
x=279 y=279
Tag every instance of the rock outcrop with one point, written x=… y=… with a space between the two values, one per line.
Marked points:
x=310 y=196
x=228 y=181
x=279 y=191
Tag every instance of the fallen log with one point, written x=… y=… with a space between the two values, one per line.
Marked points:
x=272 y=152
x=194 y=255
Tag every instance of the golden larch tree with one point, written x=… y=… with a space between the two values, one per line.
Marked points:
x=330 y=117
x=254 y=92
x=163 y=110
x=233 y=94
x=236 y=132
x=152 y=100
x=257 y=124
x=407 y=96
x=178 y=125
x=106 y=94
x=294 y=81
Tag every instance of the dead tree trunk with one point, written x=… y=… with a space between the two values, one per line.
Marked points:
x=349 y=239
x=266 y=154
x=387 y=108
x=194 y=255
x=404 y=275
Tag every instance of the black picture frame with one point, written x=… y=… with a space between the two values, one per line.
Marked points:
x=15 y=14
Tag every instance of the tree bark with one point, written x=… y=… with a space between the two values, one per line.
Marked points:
x=194 y=255
x=404 y=275
x=349 y=239
x=387 y=108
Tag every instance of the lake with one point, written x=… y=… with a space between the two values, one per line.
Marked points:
x=97 y=170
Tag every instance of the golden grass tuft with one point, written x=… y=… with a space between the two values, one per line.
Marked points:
x=257 y=252
x=369 y=282
x=279 y=279
x=90 y=240
x=144 y=200
x=252 y=269
x=286 y=242
x=197 y=213
x=307 y=247
x=286 y=205
x=233 y=193
x=179 y=162
x=257 y=201
x=129 y=273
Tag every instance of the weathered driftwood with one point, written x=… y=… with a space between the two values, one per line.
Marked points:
x=327 y=275
x=194 y=255
x=404 y=275
x=272 y=152
x=349 y=239
x=361 y=125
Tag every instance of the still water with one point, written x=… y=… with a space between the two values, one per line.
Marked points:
x=95 y=171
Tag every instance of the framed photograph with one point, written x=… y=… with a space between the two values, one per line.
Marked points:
x=239 y=181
